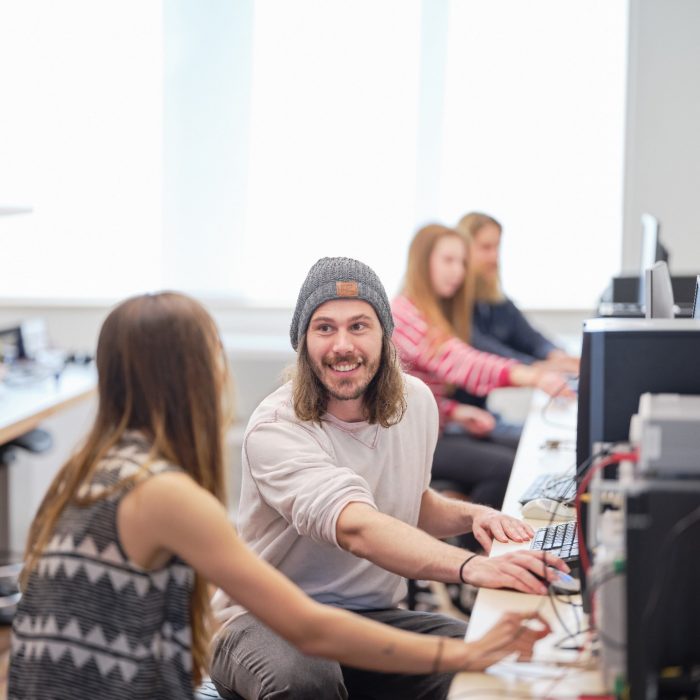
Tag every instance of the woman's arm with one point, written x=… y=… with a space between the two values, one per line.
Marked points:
x=451 y=361
x=169 y=513
x=458 y=363
x=552 y=383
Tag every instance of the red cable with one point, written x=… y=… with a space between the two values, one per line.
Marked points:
x=612 y=459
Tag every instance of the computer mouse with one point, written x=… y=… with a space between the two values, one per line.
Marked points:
x=572 y=383
x=547 y=509
x=563 y=583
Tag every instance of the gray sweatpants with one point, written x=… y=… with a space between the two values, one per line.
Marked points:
x=252 y=662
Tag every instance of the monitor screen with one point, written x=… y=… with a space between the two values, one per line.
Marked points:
x=658 y=292
x=623 y=358
x=10 y=345
x=650 y=241
x=696 y=299
x=651 y=250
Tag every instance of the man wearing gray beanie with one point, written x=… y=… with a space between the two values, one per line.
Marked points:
x=335 y=494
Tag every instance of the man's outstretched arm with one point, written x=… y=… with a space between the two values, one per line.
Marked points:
x=413 y=553
x=441 y=516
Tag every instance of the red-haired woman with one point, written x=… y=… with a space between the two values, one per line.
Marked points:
x=432 y=317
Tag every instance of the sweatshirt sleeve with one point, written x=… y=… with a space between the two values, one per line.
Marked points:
x=452 y=362
x=525 y=337
x=298 y=477
x=490 y=343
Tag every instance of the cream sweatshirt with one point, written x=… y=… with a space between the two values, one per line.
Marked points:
x=298 y=477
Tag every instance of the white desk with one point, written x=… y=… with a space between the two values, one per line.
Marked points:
x=23 y=408
x=554 y=672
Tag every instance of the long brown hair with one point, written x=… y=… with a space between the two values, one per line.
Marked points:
x=485 y=288
x=384 y=399
x=161 y=371
x=447 y=317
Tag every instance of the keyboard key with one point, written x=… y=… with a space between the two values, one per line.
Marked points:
x=554 y=486
x=560 y=540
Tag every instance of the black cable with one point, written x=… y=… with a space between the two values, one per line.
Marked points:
x=558 y=644
x=551 y=598
x=565 y=598
x=580 y=469
x=546 y=407
x=538 y=609
x=551 y=593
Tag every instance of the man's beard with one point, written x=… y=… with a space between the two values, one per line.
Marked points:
x=352 y=387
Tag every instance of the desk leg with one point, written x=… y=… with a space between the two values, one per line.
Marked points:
x=4 y=509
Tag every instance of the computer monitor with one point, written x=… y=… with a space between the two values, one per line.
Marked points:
x=652 y=250
x=11 y=345
x=658 y=292
x=620 y=360
x=696 y=299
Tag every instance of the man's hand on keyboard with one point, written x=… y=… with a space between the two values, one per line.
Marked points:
x=489 y=524
x=521 y=571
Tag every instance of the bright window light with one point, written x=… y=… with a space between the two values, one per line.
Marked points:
x=80 y=142
x=332 y=141
x=534 y=136
x=349 y=124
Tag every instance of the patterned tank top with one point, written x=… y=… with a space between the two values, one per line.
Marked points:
x=93 y=624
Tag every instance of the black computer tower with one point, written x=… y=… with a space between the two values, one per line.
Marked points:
x=663 y=588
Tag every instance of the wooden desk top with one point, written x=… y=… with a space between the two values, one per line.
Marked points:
x=23 y=408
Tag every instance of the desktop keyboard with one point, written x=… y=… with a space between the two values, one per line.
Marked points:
x=556 y=487
x=560 y=540
x=622 y=309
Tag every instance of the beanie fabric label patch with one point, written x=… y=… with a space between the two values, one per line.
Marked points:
x=346 y=289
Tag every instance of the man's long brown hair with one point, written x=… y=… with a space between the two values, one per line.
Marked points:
x=384 y=399
x=446 y=317
x=486 y=289
x=162 y=372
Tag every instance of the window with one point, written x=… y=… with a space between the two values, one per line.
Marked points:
x=81 y=142
x=221 y=148
x=533 y=135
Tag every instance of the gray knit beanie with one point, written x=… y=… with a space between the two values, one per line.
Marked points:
x=339 y=278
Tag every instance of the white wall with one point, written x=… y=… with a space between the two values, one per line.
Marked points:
x=256 y=340
x=663 y=129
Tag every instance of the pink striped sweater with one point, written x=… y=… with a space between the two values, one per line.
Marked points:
x=453 y=363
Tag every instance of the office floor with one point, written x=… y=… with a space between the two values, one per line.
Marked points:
x=440 y=595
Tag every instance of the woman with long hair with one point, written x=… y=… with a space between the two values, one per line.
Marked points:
x=115 y=600
x=432 y=333
x=498 y=326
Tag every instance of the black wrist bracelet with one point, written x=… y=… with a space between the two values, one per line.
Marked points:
x=464 y=563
